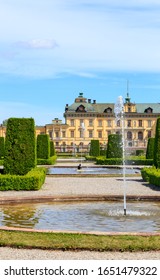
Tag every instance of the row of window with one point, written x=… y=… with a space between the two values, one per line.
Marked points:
x=129 y=134
x=109 y=123
x=90 y=134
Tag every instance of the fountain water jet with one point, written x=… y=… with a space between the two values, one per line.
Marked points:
x=119 y=114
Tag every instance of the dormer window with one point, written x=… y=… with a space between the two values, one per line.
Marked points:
x=108 y=110
x=148 y=110
x=81 y=108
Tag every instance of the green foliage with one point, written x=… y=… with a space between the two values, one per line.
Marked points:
x=90 y=158
x=52 y=149
x=150 y=148
x=103 y=152
x=157 y=145
x=2 y=147
x=151 y=175
x=20 y=150
x=109 y=161
x=139 y=152
x=49 y=161
x=94 y=148
x=33 y=180
x=119 y=161
x=114 y=147
x=43 y=146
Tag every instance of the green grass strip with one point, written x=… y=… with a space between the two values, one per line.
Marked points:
x=71 y=241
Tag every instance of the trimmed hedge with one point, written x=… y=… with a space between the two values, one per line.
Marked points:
x=43 y=146
x=114 y=147
x=32 y=181
x=90 y=158
x=151 y=175
x=109 y=161
x=49 y=161
x=94 y=148
x=2 y=147
x=52 y=149
x=157 y=145
x=20 y=149
x=150 y=148
x=119 y=161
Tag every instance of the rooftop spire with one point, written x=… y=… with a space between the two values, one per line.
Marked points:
x=127 y=99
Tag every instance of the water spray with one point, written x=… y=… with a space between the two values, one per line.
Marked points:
x=119 y=114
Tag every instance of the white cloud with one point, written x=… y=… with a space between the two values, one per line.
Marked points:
x=37 y=44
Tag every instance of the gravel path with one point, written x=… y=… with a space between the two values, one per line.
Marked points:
x=61 y=186
x=24 y=254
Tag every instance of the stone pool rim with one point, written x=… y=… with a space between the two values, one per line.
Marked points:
x=109 y=233
x=85 y=198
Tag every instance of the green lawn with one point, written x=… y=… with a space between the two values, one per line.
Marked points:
x=70 y=241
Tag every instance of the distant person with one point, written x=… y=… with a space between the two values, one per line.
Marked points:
x=79 y=167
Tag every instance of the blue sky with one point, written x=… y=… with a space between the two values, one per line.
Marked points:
x=50 y=50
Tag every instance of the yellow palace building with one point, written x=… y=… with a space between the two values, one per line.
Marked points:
x=86 y=119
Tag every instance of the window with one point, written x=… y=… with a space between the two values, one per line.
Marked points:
x=148 y=110
x=99 y=134
x=129 y=123
x=90 y=122
x=81 y=133
x=72 y=133
x=129 y=109
x=108 y=110
x=149 y=134
x=56 y=134
x=140 y=135
x=118 y=123
x=149 y=123
x=72 y=122
x=108 y=132
x=81 y=122
x=140 y=123
x=63 y=134
x=99 y=122
x=50 y=133
x=90 y=133
x=109 y=123
x=129 y=135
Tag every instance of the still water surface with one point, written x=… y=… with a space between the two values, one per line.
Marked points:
x=91 y=170
x=83 y=216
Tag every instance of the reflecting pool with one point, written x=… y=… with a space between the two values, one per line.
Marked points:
x=91 y=170
x=83 y=216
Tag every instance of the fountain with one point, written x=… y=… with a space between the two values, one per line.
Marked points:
x=119 y=114
x=83 y=216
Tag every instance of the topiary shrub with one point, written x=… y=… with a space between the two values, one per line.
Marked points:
x=52 y=149
x=20 y=149
x=114 y=147
x=94 y=148
x=43 y=146
x=150 y=148
x=32 y=181
x=2 y=147
x=157 y=145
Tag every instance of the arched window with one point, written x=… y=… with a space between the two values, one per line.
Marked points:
x=140 y=135
x=129 y=135
x=108 y=110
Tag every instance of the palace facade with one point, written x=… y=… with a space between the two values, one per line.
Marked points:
x=86 y=120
